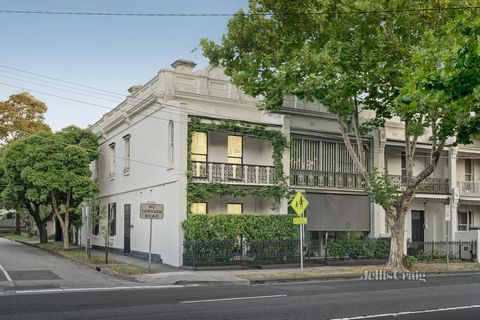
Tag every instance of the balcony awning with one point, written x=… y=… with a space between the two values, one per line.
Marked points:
x=338 y=212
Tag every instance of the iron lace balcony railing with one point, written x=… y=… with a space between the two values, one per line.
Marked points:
x=469 y=188
x=429 y=185
x=326 y=179
x=233 y=173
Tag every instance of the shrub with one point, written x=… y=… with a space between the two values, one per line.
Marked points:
x=229 y=227
x=409 y=261
x=355 y=248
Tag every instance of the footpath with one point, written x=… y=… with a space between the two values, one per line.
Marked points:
x=136 y=269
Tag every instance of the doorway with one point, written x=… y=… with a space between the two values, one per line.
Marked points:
x=126 y=228
x=418 y=222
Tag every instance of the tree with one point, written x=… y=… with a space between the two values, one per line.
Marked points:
x=20 y=115
x=54 y=169
x=350 y=56
x=18 y=192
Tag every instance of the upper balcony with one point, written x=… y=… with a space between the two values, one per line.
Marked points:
x=468 y=188
x=429 y=185
x=233 y=159
x=326 y=180
x=233 y=173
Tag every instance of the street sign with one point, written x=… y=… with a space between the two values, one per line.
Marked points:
x=151 y=211
x=299 y=203
x=447 y=212
x=300 y=220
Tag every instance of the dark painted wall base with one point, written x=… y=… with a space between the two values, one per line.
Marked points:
x=133 y=253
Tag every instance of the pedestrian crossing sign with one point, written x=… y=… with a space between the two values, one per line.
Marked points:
x=299 y=203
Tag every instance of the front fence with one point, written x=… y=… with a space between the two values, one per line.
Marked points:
x=438 y=250
x=268 y=252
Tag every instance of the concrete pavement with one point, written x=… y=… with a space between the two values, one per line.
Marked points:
x=24 y=268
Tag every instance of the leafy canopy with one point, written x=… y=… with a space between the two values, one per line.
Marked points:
x=20 y=115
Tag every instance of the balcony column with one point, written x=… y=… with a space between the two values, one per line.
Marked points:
x=283 y=209
x=452 y=225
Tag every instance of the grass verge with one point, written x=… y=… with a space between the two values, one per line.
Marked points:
x=129 y=270
x=21 y=237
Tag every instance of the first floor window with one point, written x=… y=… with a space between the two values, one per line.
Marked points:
x=199 y=146
x=112 y=219
x=95 y=222
x=234 y=208
x=199 y=208
x=462 y=221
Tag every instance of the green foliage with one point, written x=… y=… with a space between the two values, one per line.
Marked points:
x=230 y=227
x=197 y=192
x=354 y=248
x=46 y=165
x=409 y=261
x=382 y=191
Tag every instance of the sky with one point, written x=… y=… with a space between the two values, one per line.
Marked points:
x=105 y=52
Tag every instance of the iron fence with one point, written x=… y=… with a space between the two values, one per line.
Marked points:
x=438 y=250
x=241 y=252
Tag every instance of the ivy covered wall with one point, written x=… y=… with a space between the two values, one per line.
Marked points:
x=199 y=192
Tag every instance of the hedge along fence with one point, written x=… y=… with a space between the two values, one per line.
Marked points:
x=358 y=248
x=230 y=227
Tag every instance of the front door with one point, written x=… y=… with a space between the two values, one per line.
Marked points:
x=418 y=221
x=126 y=228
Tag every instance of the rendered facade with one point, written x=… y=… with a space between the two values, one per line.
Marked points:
x=146 y=148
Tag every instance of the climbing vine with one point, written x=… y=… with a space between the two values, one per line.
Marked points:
x=197 y=192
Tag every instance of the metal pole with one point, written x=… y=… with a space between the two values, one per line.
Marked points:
x=448 y=249
x=150 y=246
x=301 y=246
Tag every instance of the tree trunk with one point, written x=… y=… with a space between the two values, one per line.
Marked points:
x=42 y=231
x=18 y=229
x=66 y=239
x=395 y=259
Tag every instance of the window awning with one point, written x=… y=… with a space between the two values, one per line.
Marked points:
x=338 y=212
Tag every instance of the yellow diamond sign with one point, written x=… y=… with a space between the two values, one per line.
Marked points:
x=299 y=203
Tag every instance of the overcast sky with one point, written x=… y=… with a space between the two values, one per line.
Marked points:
x=105 y=52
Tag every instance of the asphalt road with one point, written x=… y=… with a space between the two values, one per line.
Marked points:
x=445 y=297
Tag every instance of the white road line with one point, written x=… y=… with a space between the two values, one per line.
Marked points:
x=234 y=299
x=66 y=290
x=38 y=291
x=396 y=314
x=6 y=274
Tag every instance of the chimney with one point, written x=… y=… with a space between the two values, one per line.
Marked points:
x=183 y=65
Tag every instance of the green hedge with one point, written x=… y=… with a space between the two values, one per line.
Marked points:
x=358 y=248
x=228 y=227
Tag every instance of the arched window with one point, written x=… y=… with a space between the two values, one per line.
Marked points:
x=171 y=142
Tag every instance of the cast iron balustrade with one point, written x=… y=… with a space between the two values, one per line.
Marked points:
x=325 y=179
x=233 y=173
x=469 y=188
x=429 y=185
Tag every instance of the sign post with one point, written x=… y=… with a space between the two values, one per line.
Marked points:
x=151 y=211
x=299 y=204
x=448 y=217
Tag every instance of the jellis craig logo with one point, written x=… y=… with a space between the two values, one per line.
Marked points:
x=394 y=275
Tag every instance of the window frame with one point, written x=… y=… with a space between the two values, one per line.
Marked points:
x=171 y=143
x=228 y=149
x=127 y=141
x=235 y=203
x=112 y=160
x=461 y=226
x=192 y=154
x=112 y=219
x=469 y=174
x=206 y=207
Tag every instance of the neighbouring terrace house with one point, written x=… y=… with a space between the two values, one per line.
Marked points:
x=192 y=141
